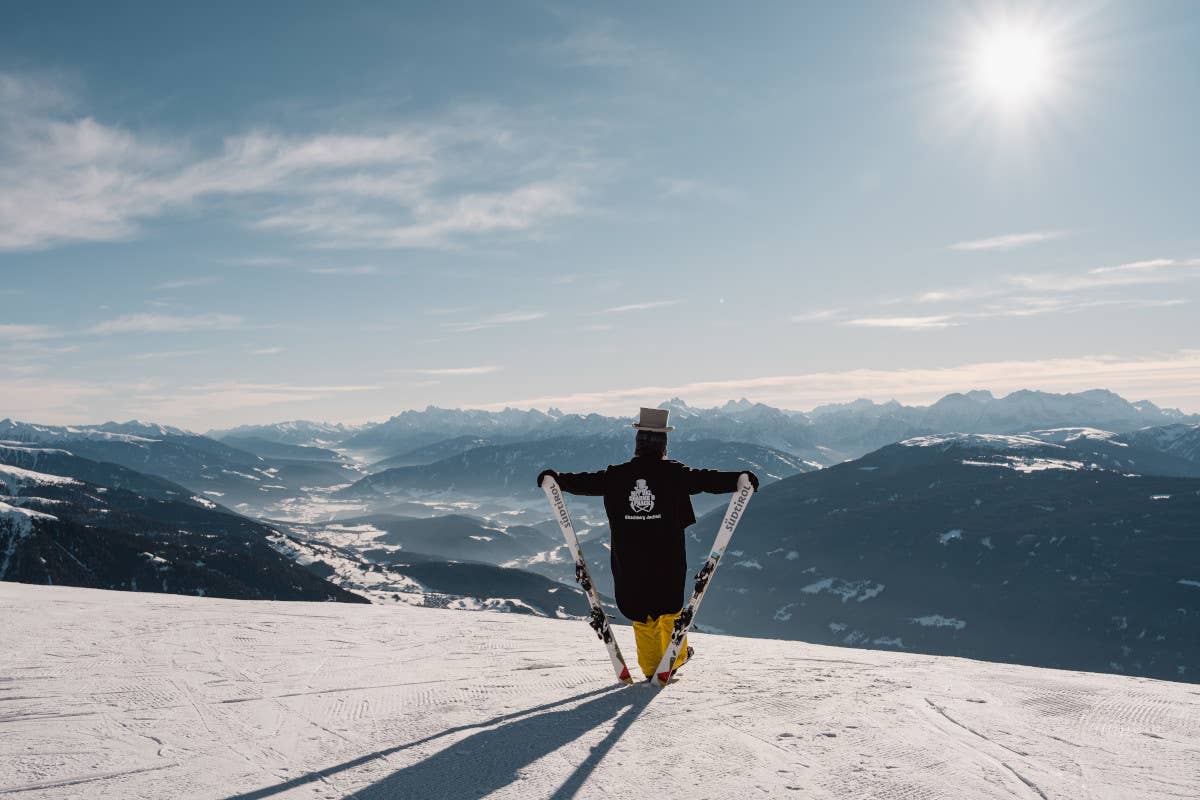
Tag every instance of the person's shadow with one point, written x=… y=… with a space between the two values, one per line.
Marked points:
x=493 y=757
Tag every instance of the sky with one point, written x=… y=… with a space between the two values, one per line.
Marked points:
x=219 y=214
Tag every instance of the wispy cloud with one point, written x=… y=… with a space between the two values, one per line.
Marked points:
x=360 y=270
x=1171 y=377
x=66 y=176
x=189 y=403
x=1009 y=241
x=485 y=370
x=184 y=283
x=1016 y=306
x=433 y=223
x=166 y=323
x=1152 y=271
x=599 y=44
x=1025 y=296
x=53 y=399
x=909 y=323
x=690 y=187
x=16 y=332
x=818 y=315
x=168 y=354
x=257 y=261
x=646 y=306
x=266 y=351
x=506 y=318
x=1147 y=266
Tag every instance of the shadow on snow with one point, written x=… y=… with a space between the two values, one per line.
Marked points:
x=492 y=758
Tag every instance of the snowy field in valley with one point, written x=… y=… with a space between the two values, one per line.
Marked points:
x=120 y=695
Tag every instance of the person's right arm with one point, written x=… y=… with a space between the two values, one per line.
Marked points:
x=584 y=483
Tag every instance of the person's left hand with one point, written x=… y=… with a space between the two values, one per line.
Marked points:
x=753 y=479
x=542 y=476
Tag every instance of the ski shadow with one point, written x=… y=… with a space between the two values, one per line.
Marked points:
x=492 y=758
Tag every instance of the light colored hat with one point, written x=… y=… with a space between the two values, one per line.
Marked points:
x=654 y=419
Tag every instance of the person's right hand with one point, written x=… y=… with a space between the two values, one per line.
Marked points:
x=753 y=479
x=542 y=476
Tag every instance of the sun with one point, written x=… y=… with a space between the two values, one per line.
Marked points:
x=1013 y=66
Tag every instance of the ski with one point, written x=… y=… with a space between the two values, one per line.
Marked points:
x=597 y=619
x=733 y=514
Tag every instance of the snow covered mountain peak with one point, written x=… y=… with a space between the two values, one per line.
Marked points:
x=678 y=408
x=990 y=441
x=1076 y=434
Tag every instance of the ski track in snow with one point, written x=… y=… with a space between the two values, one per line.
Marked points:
x=123 y=695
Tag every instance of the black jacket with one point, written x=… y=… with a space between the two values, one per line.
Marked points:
x=648 y=501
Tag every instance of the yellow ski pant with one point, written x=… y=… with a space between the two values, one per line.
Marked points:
x=653 y=637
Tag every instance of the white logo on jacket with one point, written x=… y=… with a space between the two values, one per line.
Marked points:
x=641 y=499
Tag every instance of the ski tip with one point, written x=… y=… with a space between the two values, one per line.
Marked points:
x=625 y=675
x=663 y=678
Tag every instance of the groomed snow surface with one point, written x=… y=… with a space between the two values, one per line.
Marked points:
x=124 y=695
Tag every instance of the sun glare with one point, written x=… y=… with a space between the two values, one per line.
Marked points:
x=1013 y=66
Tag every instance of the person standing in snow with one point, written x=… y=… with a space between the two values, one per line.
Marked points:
x=649 y=505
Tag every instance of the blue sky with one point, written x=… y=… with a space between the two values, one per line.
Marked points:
x=216 y=215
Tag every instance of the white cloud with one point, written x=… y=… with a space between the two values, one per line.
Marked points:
x=168 y=354
x=65 y=176
x=910 y=323
x=1156 y=271
x=954 y=295
x=1137 y=273
x=53 y=400
x=267 y=351
x=1009 y=241
x=256 y=261
x=486 y=370
x=506 y=318
x=361 y=270
x=646 y=306
x=166 y=323
x=184 y=283
x=1014 y=306
x=598 y=45
x=1172 y=378
x=1029 y=295
x=1149 y=265
x=691 y=188
x=24 y=333
x=214 y=401
x=431 y=223
x=818 y=315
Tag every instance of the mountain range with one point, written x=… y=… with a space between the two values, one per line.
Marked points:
x=121 y=530
x=825 y=435
x=947 y=529
x=511 y=469
x=228 y=474
x=1044 y=548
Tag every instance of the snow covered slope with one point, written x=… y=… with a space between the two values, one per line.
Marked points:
x=121 y=695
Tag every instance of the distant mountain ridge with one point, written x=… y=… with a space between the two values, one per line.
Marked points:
x=510 y=469
x=202 y=464
x=66 y=520
x=826 y=434
x=298 y=432
x=1053 y=548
